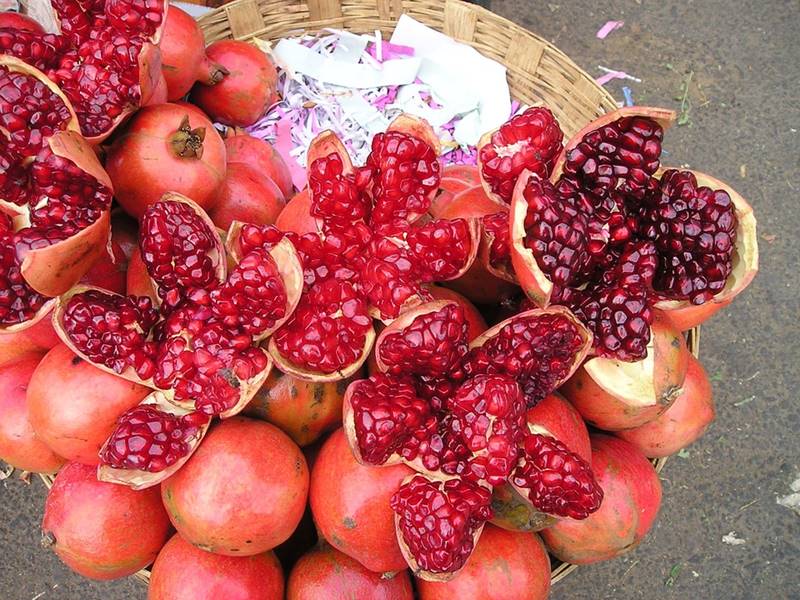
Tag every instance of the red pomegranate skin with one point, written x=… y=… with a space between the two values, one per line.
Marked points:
x=262 y=156
x=242 y=492
x=19 y=444
x=246 y=92
x=557 y=417
x=74 y=406
x=103 y=530
x=18 y=21
x=325 y=572
x=350 y=503
x=184 y=572
x=137 y=279
x=109 y=271
x=631 y=499
x=248 y=196
x=296 y=216
x=505 y=565
x=36 y=339
x=143 y=165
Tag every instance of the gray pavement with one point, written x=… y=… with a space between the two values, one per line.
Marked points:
x=745 y=117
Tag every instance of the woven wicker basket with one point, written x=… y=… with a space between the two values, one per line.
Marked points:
x=538 y=72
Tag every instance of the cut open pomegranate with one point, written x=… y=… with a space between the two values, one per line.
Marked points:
x=438 y=523
x=106 y=58
x=150 y=442
x=54 y=196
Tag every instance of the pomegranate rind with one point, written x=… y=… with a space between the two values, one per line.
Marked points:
x=325 y=144
x=217 y=255
x=403 y=321
x=417 y=127
x=290 y=270
x=44 y=313
x=62 y=302
x=585 y=334
x=533 y=281
x=296 y=215
x=56 y=268
x=288 y=367
x=745 y=262
x=663 y=116
x=141 y=480
x=614 y=395
x=406 y=552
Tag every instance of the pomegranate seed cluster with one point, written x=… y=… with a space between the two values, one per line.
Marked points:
x=613 y=237
x=458 y=417
x=55 y=197
x=95 y=60
x=371 y=256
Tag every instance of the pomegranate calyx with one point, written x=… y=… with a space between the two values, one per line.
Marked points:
x=187 y=142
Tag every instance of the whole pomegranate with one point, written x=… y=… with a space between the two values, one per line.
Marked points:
x=324 y=572
x=246 y=195
x=261 y=155
x=351 y=508
x=505 y=565
x=184 y=572
x=183 y=55
x=248 y=88
x=102 y=530
x=631 y=499
x=19 y=445
x=242 y=492
x=166 y=148
x=36 y=339
x=303 y=409
x=74 y=406
x=682 y=423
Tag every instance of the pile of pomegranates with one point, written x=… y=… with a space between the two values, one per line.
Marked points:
x=375 y=387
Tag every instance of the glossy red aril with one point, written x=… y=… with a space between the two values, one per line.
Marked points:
x=106 y=58
x=531 y=140
x=439 y=523
x=54 y=192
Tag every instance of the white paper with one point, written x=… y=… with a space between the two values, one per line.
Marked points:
x=466 y=80
x=362 y=112
x=350 y=46
x=300 y=59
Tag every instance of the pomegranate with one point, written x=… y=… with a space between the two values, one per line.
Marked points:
x=324 y=572
x=242 y=148
x=137 y=279
x=684 y=422
x=476 y=324
x=106 y=58
x=36 y=338
x=184 y=572
x=12 y=20
x=455 y=179
x=351 y=508
x=54 y=196
x=248 y=89
x=305 y=410
x=613 y=395
x=368 y=257
x=166 y=148
x=296 y=215
x=505 y=565
x=109 y=271
x=632 y=496
x=19 y=445
x=183 y=56
x=125 y=232
x=557 y=418
x=73 y=406
x=101 y=530
x=246 y=195
x=531 y=140
x=242 y=492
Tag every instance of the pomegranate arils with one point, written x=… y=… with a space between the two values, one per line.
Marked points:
x=254 y=296
x=113 y=330
x=407 y=174
x=620 y=155
x=19 y=302
x=431 y=345
x=149 y=439
x=487 y=416
x=387 y=414
x=337 y=196
x=439 y=521
x=538 y=351
x=531 y=140
x=495 y=228
x=177 y=248
x=555 y=480
x=694 y=229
